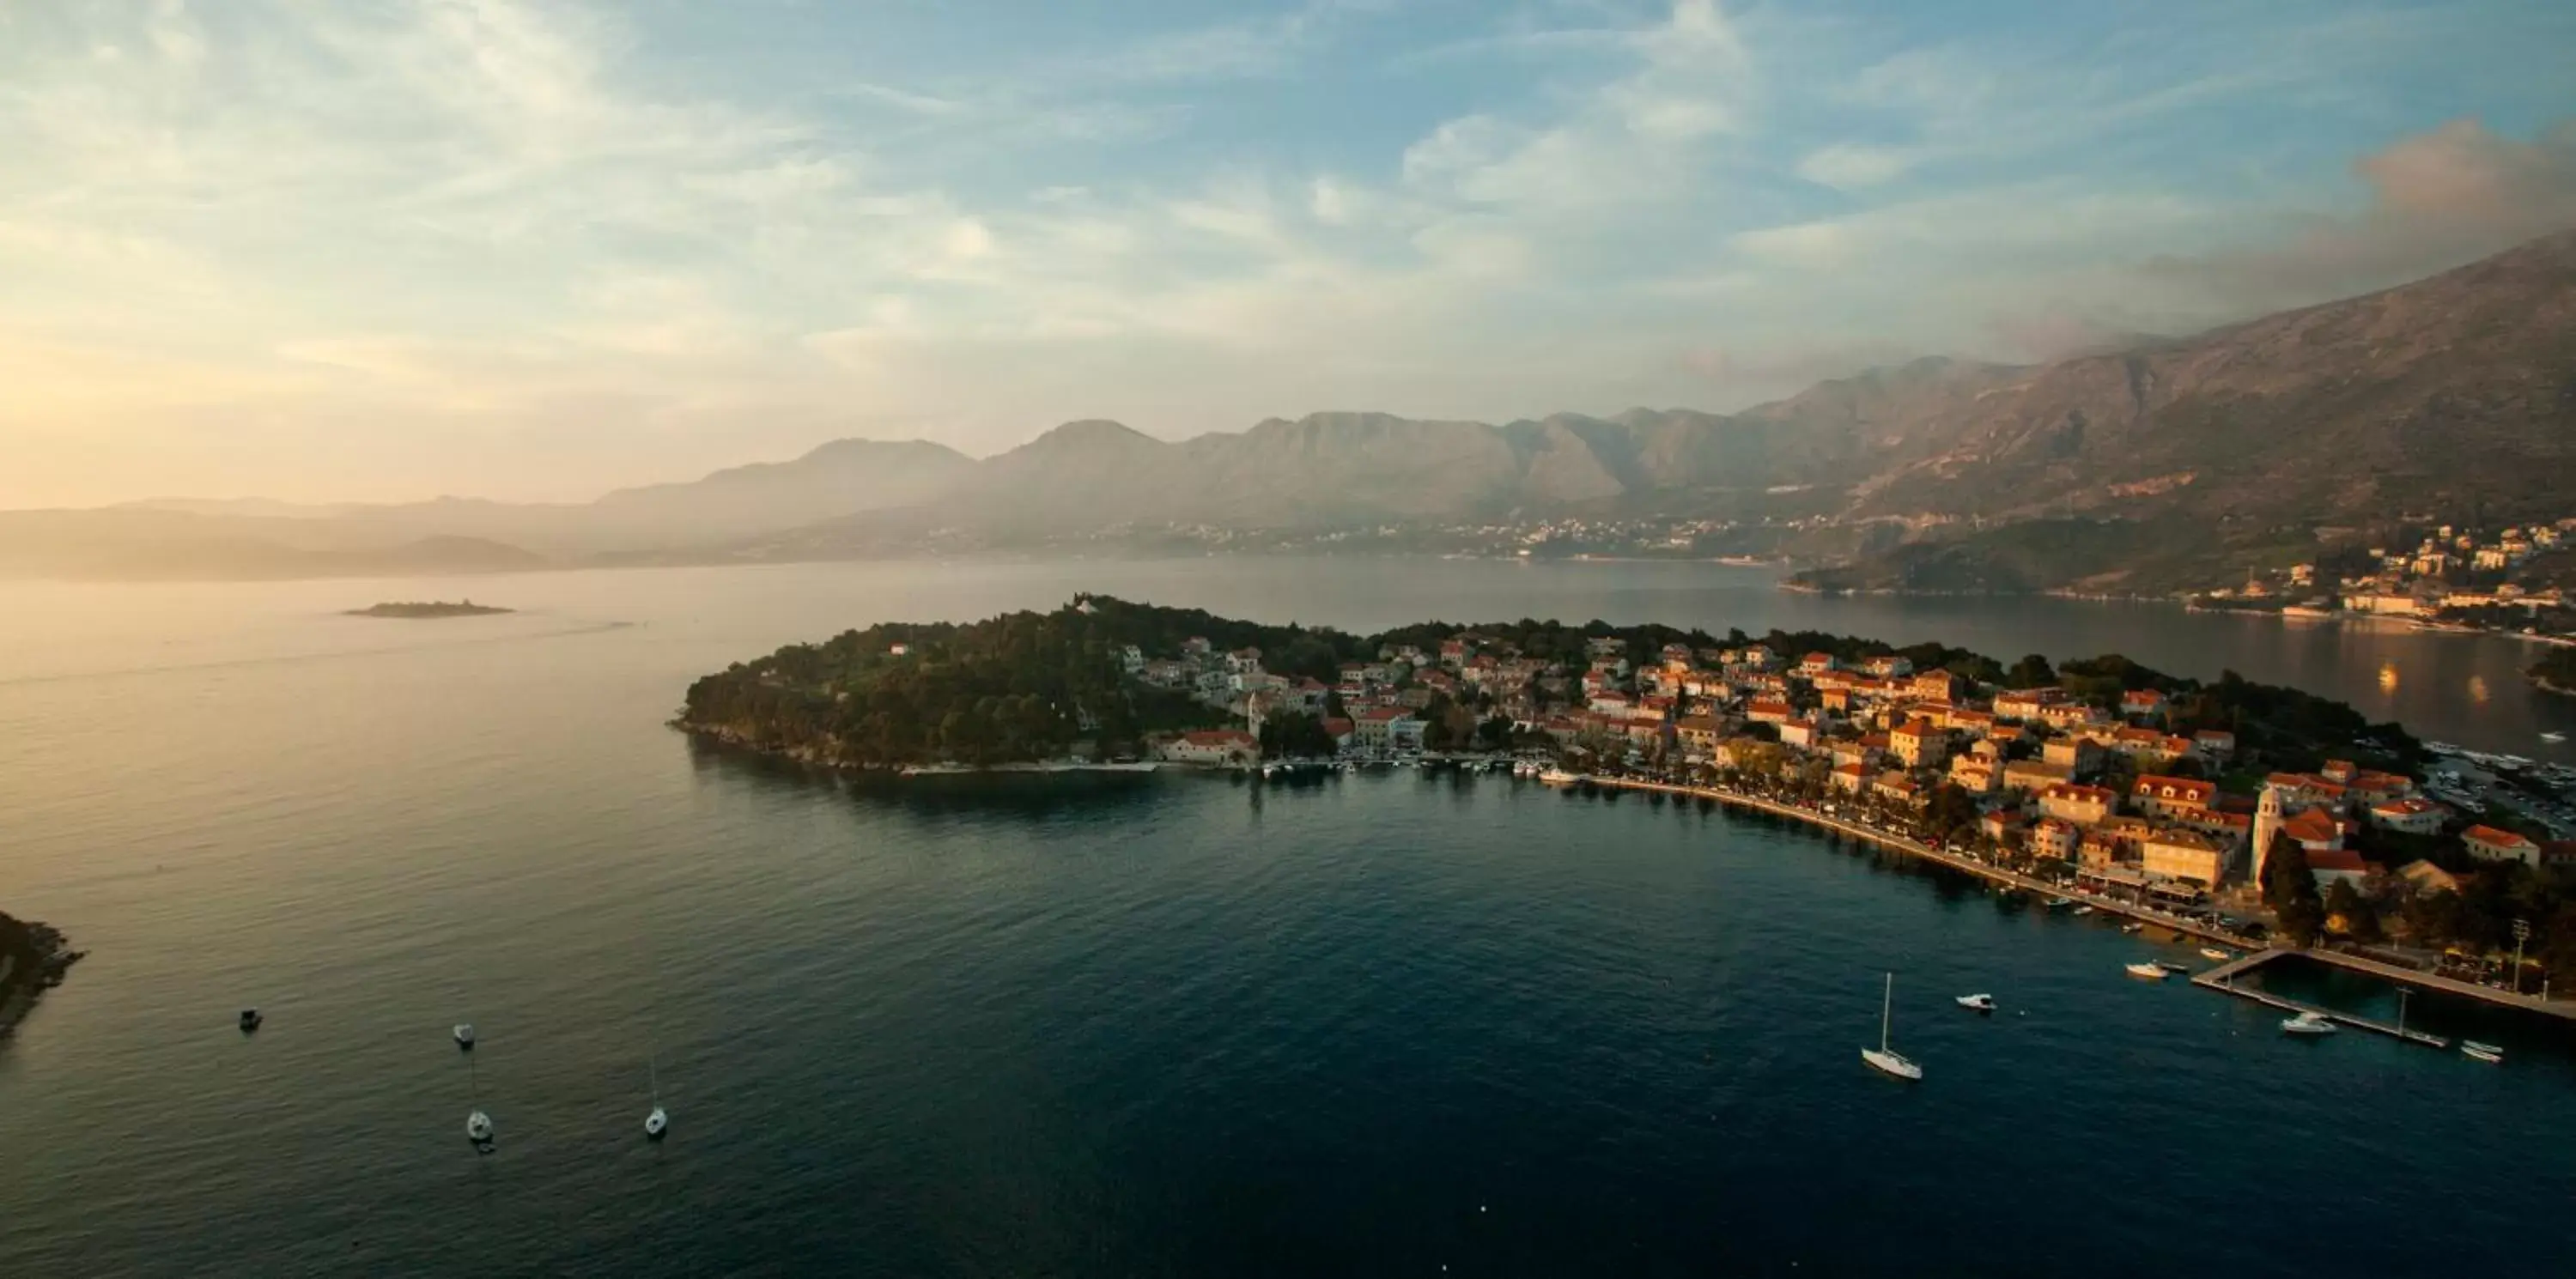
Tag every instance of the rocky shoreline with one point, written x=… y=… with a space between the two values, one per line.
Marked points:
x=34 y=958
x=810 y=758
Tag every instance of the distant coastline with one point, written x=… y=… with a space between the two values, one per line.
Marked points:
x=423 y=610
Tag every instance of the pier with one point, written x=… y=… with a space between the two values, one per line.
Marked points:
x=2223 y=979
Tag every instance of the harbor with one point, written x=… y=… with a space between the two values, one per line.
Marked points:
x=2223 y=979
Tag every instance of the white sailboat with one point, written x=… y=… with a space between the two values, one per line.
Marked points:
x=659 y=1121
x=1884 y=1057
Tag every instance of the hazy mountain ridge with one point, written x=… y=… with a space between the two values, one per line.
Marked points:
x=2454 y=391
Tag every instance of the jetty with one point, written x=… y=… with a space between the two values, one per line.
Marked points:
x=2223 y=979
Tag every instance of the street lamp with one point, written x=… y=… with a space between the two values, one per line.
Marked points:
x=2521 y=934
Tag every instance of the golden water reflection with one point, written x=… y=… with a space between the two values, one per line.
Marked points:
x=2478 y=688
x=2388 y=677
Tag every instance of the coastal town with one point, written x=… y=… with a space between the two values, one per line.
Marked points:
x=2257 y=810
x=2453 y=576
x=2124 y=791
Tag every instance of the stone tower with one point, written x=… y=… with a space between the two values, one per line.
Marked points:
x=2267 y=823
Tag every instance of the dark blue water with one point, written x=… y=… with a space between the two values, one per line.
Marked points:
x=1167 y=1026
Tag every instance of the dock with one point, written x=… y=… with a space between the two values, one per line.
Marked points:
x=2223 y=980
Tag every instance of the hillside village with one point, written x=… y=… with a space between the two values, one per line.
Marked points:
x=2504 y=578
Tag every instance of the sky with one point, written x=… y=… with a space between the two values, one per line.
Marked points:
x=536 y=249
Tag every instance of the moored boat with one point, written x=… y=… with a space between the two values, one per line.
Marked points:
x=2308 y=1023
x=2212 y=952
x=2488 y=1053
x=2150 y=970
x=1884 y=1058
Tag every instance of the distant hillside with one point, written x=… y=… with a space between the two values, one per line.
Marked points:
x=171 y=545
x=2454 y=394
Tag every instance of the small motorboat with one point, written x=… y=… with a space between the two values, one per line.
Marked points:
x=657 y=1123
x=478 y=1129
x=2172 y=967
x=2310 y=1023
x=2150 y=970
x=250 y=1020
x=1983 y=1003
x=2059 y=903
x=2083 y=910
x=464 y=1033
x=2133 y=928
x=2553 y=737
x=2487 y=1053
x=2212 y=952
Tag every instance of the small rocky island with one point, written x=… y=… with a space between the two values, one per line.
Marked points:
x=33 y=960
x=424 y=609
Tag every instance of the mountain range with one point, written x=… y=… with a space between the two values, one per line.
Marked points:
x=2454 y=395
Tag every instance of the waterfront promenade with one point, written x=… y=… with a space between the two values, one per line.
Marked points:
x=2562 y=1009
x=1955 y=861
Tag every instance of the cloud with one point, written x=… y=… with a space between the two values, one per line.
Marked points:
x=1851 y=166
x=2437 y=199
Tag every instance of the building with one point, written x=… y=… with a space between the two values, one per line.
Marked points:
x=1918 y=744
x=2032 y=775
x=2328 y=865
x=2409 y=816
x=1387 y=728
x=2170 y=798
x=2143 y=703
x=1699 y=732
x=2181 y=854
x=2216 y=745
x=2050 y=837
x=1973 y=774
x=2078 y=756
x=2082 y=805
x=2486 y=843
x=2425 y=877
x=1851 y=777
x=1214 y=747
x=1769 y=712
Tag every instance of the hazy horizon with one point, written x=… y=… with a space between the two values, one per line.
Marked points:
x=535 y=251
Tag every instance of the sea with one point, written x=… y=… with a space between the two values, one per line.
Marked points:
x=1393 y=1023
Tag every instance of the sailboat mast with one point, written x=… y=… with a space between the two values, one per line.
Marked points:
x=1886 y=1009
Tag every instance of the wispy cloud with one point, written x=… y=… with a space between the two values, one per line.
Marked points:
x=458 y=243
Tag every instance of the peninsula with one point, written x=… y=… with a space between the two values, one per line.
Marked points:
x=2101 y=774
x=33 y=959
x=427 y=609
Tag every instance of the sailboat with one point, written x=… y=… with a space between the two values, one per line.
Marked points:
x=1884 y=1057
x=478 y=1126
x=658 y=1122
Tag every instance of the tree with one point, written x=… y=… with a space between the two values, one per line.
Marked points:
x=1950 y=810
x=2290 y=889
x=2032 y=671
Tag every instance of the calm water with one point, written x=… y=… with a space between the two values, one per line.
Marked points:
x=1174 y=1026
